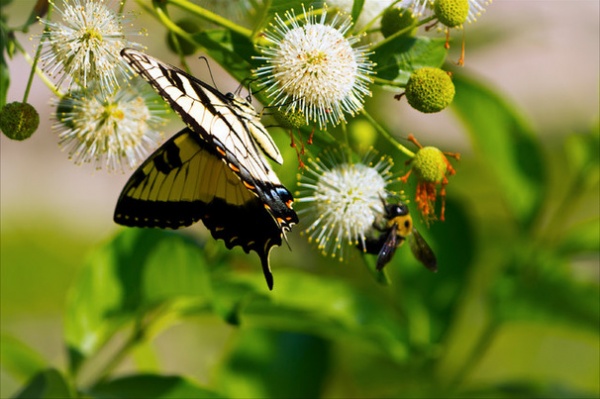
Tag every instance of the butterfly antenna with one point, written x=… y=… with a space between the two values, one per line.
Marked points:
x=212 y=78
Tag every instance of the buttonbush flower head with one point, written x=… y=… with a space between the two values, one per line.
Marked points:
x=311 y=67
x=112 y=130
x=83 y=47
x=426 y=7
x=341 y=199
x=18 y=121
x=476 y=8
x=429 y=90
x=431 y=168
x=451 y=13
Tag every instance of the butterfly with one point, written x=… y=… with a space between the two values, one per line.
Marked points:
x=213 y=170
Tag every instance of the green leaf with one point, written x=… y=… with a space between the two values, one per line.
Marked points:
x=49 y=383
x=397 y=59
x=151 y=386
x=276 y=364
x=18 y=358
x=506 y=142
x=542 y=287
x=319 y=306
x=134 y=273
x=582 y=238
x=430 y=300
x=357 y=7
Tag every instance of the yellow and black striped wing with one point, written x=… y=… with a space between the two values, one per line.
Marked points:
x=185 y=181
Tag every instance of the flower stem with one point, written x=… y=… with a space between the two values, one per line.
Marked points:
x=387 y=135
x=400 y=33
x=212 y=17
x=38 y=71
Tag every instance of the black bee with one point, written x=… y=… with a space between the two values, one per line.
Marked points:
x=395 y=226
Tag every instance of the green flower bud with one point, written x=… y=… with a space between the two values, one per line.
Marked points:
x=396 y=19
x=429 y=165
x=18 y=120
x=187 y=48
x=291 y=120
x=429 y=90
x=451 y=13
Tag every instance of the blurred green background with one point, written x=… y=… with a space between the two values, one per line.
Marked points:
x=493 y=323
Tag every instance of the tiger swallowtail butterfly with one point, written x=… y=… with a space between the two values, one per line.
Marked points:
x=213 y=170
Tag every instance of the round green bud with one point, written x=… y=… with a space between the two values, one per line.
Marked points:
x=291 y=120
x=451 y=13
x=395 y=19
x=190 y=26
x=429 y=165
x=429 y=90
x=18 y=120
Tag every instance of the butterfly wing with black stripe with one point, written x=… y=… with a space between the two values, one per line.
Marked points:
x=185 y=181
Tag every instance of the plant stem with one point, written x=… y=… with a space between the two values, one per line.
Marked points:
x=478 y=352
x=388 y=136
x=399 y=33
x=212 y=17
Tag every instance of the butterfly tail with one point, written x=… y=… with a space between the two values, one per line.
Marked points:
x=264 y=260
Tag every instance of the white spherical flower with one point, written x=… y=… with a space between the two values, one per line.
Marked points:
x=83 y=48
x=311 y=67
x=342 y=200
x=476 y=7
x=112 y=130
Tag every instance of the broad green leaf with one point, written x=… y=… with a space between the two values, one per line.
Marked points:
x=357 y=7
x=20 y=359
x=276 y=364
x=582 y=238
x=320 y=306
x=151 y=386
x=506 y=142
x=49 y=383
x=430 y=300
x=134 y=273
x=541 y=287
x=397 y=59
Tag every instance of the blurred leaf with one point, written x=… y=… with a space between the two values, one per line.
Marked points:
x=397 y=59
x=583 y=157
x=541 y=287
x=582 y=238
x=49 y=383
x=20 y=359
x=320 y=306
x=430 y=300
x=357 y=7
x=151 y=386
x=507 y=143
x=272 y=364
x=135 y=272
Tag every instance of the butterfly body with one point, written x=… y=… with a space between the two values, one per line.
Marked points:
x=213 y=170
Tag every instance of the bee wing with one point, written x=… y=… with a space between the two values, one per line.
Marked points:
x=422 y=251
x=388 y=248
